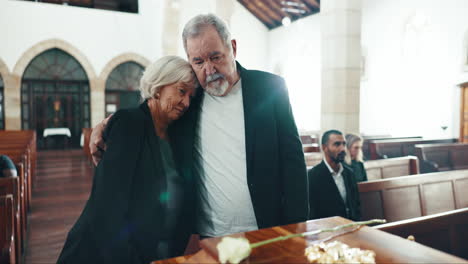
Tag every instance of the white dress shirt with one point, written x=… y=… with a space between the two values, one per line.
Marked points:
x=338 y=178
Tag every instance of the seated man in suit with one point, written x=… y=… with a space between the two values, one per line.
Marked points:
x=333 y=188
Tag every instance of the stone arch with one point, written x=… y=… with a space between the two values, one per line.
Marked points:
x=42 y=46
x=13 y=103
x=4 y=71
x=122 y=58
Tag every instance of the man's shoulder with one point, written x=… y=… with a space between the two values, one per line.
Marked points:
x=260 y=75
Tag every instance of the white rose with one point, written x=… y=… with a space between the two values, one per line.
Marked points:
x=233 y=249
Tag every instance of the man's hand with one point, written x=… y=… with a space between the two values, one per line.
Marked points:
x=97 y=146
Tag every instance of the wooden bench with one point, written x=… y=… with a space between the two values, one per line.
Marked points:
x=20 y=147
x=446 y=231
x=312 y=147
x=309 y=139
x=393 y=167
x=393 y=148
x=9 y=186
x=19 y=157
x=367 y=138
x=413 y=196
x=7 y=236
x=27 y=137
x=442 y=157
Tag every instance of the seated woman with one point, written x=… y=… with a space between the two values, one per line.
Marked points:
x=354 y=156
x=133 y=214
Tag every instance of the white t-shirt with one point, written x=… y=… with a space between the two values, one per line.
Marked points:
x=225 y=202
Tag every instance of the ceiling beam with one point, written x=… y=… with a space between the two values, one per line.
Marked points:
x=264 y=19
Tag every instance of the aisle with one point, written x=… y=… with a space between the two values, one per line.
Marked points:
x=63 y=183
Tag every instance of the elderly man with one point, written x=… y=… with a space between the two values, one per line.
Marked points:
x=238 y=142
x=333 y=187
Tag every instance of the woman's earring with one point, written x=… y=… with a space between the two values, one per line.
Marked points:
x=157 y=96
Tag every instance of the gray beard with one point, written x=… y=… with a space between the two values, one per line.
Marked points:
x=217 y=88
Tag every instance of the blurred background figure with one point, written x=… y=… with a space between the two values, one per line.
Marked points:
x=354 y=157
x=7 y=167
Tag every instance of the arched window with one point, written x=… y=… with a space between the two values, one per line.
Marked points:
x=2 y=105
x=122 y=87
x=55 y=93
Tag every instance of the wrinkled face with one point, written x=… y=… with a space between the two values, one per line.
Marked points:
x=175 y=99
x=335 y=148
x=355 y=149
x=213 y=62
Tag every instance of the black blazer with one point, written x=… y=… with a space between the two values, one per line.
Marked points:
x=276 y=171
x=124 y=218
x=325 y=197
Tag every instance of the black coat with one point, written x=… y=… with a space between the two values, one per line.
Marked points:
x=125 y=218
x=325 y=197
x=276 y=171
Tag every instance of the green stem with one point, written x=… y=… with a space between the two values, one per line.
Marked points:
x=281 y=238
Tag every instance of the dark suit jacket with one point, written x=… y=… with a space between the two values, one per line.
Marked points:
x=276 y=171
x=325 y=197
x=124 y=218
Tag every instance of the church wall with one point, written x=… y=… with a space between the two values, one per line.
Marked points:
x=295 y=54
x=102 y=36
x=414 y=56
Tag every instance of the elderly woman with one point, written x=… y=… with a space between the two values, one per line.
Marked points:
x=354 y=156
x=134 y=212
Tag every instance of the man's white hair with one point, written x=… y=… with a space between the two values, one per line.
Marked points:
x=198 y=24
x=165 y=71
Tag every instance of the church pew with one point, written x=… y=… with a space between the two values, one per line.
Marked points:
x=442 y=157
x=412 y=196
x=367 y=138
x=393 y=167
x=9 y=186
x=312 y=147
x=446 y=231
x=19 y=161
x=28 y=136
x=393 y=148
x=7 y=231
x=21 y=140
x=309 y=139
x=18 y=156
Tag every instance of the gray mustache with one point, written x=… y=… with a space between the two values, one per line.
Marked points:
x=214 y=77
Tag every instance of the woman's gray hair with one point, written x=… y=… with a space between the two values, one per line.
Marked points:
x=165 y=71
x=350 y=140
x=198 y=24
